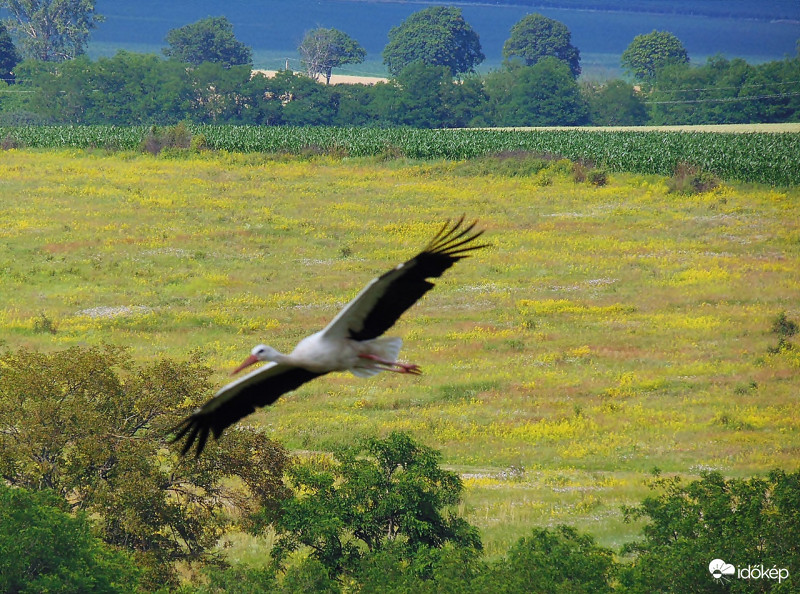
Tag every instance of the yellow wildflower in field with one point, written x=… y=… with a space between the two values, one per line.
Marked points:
x=696 y=276
x=616 y=329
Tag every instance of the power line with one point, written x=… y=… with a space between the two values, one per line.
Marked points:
x=791 y=82
x=724 y=99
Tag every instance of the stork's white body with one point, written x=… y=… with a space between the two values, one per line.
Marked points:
x=322 y=353
x=353 y=341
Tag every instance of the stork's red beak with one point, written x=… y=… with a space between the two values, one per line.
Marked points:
x=247 y=363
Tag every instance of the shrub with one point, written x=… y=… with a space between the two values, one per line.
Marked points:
x=10 y=142
x=783 y=326
x=558 y=560
x=174 y=137
x=44 y=324
x=690 y=179
x=199 y=143
x=585 y=171
x=597 y=177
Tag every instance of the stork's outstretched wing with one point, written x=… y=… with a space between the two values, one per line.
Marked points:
x=238 y=399
x=381 y=303
x=373 y=311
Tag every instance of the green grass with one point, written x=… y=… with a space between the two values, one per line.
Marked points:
x=607 y=331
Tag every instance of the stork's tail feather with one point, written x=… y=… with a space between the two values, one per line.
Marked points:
x=385 y=347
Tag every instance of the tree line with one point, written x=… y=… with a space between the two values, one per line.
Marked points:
x=94 y=498
x=431 y=57
x=135 y=89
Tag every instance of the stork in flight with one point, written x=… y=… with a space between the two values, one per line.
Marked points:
x=352 y=342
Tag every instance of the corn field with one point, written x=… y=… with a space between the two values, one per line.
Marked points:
x=771 y=158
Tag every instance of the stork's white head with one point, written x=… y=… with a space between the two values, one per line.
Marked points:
x=263 y=352
x=260 y=352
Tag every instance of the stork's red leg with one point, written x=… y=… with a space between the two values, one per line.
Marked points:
x=390 y=365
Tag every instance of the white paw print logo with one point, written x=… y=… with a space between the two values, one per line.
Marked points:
x=720 y=570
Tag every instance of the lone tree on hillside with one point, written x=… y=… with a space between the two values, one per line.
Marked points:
x=51 y=30
x=325 y=49
x=437 y=36
x=536 y=37
x=647 y=54
x=207 y=40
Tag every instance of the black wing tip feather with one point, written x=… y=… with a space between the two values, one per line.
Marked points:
x=214 y=419
x=454 y=240
x=195 y=428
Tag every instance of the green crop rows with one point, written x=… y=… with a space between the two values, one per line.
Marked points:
x=770 y=158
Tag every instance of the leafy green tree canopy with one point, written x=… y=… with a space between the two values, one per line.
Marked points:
x=559 y=560
x=325 y=49
x=51 y=30
x=397 y=494
x=742 y=521
x=207 y=40
x=536 y=37
x=647 y=54
x=615 y=103
x=545 y=94
x=437 y=36
x=91 y=426
x=428 y=98
x=45 y=549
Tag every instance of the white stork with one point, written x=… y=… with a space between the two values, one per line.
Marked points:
x=351 y=342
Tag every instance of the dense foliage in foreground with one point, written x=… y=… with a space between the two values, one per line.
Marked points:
x=754 y=157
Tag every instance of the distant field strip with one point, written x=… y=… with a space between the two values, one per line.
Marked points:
x=770 y=158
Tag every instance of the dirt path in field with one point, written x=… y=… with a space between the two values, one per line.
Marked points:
x=739 y=128
x=338 y=79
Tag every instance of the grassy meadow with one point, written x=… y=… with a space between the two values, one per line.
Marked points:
x=607 y=331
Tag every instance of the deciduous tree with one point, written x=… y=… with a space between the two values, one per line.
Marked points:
x=615 y=103
x=545 y=94
x=647 y=54
x=207 y=40
x=8 y=55
x=536 y=37
x=92 y=426
x=437 y=36
x=745 y=522
x=397 y=494
x=322 y=50
x=46 y=549
x=51 y=30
